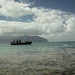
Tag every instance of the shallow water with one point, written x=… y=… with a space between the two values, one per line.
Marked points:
x=38 y=59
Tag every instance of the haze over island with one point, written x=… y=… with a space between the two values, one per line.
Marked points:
x=50 y=19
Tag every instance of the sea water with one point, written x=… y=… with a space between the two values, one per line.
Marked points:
x=57 y=58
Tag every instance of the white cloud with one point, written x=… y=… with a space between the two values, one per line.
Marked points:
x=14 y=9
x=19 y=28
x=51 y=20
x=71 y=23
x=49 y=23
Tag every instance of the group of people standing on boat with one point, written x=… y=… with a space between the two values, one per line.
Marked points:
x=17 y=41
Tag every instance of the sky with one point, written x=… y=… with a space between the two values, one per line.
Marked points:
x=51 y=19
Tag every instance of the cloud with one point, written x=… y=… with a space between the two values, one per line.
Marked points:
x=9 y=8
x=19 y=28
x=49 y=23
x=52 y=21
x=71 y=23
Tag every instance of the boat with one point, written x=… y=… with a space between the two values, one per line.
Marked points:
x=18 y=42
x=22 y=43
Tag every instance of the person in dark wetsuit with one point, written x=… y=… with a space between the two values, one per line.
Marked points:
x=14 y=41
x=17 y=41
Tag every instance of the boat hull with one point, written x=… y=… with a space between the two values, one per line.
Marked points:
x=26 y=43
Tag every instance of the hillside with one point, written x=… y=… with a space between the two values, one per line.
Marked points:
x=34 y=38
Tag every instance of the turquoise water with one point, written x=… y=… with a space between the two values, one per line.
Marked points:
x=35 y=47
x=38 y=59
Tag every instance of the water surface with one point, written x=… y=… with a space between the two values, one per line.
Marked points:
x=38 y=59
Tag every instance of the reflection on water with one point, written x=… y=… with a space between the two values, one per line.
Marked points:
x=37 y=59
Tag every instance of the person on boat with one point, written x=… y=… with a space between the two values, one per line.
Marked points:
x=19 y=41
x=14 y=41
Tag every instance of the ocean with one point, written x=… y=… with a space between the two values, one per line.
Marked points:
x=55 y=58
